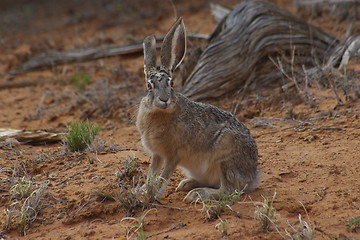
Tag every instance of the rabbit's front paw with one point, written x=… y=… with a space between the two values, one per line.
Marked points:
x=202 y=194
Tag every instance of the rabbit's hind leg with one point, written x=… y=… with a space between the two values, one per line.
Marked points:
x=233 y=177
x=203 y=194
x=239 y=175
x=187 y=184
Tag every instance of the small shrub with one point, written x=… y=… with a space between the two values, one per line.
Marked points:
x=129 y=199
x=135 y=196
x=130 y=168
x=354 y=224
x=80 y=80
x=81 y=135
x=131 y=195
x=21 y=189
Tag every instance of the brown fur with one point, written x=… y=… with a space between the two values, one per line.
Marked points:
x=215 y=150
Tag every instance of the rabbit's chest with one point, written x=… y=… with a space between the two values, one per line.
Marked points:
x=156 y=137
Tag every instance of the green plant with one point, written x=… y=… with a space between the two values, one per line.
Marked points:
x=138 y=226
x=80 y=80
x=353 y=224
x=266 y=213
x=81 y=135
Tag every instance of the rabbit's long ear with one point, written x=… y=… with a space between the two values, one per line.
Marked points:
x=149 y=46
x=174 y=46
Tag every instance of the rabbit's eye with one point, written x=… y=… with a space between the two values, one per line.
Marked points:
x=171 y=83
x=149 y=86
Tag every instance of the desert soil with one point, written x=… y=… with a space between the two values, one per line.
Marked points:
x=309 y=156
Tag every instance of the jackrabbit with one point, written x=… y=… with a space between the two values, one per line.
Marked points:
x=215 y=150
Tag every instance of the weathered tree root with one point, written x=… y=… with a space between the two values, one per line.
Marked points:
x=248 y=47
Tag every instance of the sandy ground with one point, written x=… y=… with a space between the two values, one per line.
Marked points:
x=310 y=162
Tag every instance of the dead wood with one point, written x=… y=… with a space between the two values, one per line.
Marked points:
x=313 y=2
x=341 y=9
x=54 y=58
x=29 y=82
x=218 y=12
x=247 y=47
x=34 y=137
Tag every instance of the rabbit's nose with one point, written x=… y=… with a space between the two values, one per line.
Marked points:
x=165 y=100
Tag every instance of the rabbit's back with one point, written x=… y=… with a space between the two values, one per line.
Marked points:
x=209 y=127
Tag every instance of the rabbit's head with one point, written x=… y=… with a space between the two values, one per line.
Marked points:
x=159 y=80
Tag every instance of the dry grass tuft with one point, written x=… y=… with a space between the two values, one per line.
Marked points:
x=129 y=199
x=302 y=231
x=223 y=227
x=138 y=226
x=22 y=213
x=266 y=213
x=213 y=208
x=21 y=189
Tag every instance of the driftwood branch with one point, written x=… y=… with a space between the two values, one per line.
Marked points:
x=342 y=9
x=312 y=2
x=54 y=58
x=35 y=137
x=343 y=52
x=240 y=49
x=29 y=82
x=218 y=12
